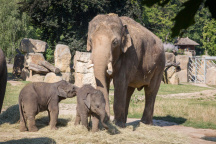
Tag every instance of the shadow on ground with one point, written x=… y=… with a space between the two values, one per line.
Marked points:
x=40 y=140
x=44 y=121
x=11 y=115
x=168 y=118
x=209 y=138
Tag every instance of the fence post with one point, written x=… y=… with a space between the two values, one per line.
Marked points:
x=195 y=70
x=204 y=70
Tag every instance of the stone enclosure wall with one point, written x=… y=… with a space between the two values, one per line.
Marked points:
x=37 y=69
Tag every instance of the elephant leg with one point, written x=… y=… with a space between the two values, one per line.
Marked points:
x=3 y=83
x=49 y=116
x=53 y=118
x=31 y=123
x=84 y=120
x=78 y=119
x=23 y=126
x=119 y=105
x=95 y=123
x=150 y=95
x=130 y=91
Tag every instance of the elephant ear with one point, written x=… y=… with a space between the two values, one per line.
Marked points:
x=61 y=92
x=88 y=44
x=87 y=101
x=126 y=39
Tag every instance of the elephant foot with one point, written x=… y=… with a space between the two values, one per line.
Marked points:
x=95 y=130
x=54 y=128
x=148 y=122
x=33 y=129
x=22 y=129
x=119 y=123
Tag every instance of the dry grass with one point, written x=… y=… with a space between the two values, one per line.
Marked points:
x=68 y=133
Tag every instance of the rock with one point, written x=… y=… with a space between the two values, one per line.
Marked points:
x=62 y=57
x=52 y=77
x=89 y=78
x=170 y=57
x=18 y=65
x=49 y=66
x=78 y=79
x=81 y=67
x=25 y=74
x=33 y=58
x=33 y=46
x=67 y=77
x=188 y=53
x=171 y=71
x=182 y=76
x=211 y=76
x=37 y=78
x=184 y=61
x=174 y=79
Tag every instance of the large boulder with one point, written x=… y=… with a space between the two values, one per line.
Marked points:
x=182 y=76
x=170 y=57
x=62 y=57
x=37 y=78
x=52 y=77
x=25 y=74
x=184 y=61
x=174 y=79
x=67 y=77
x=33 y=58
x=83 y=73
x=211 y=76
x=18 y=65
x=33 y=46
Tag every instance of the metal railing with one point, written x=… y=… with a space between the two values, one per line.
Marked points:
x=197 y=68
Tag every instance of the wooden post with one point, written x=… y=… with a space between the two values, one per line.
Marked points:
x=37 y=68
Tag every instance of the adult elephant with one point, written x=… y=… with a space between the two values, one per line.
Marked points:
x=136 y=57
x=3 y=77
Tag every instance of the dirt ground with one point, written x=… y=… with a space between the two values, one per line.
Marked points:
x=198 y=136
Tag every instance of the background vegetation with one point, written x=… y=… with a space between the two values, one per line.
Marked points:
x=66 y=21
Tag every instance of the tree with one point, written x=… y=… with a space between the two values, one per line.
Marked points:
x=209 y=37
x=185 y=17
x=66 y=21
x=13 y=27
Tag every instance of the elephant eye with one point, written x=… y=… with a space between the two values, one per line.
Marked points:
x=115 y=42
x=98 y=106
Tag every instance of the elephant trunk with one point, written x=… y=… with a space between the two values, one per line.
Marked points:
x=102 y=117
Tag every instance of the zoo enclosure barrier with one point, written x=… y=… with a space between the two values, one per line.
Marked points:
x=197 y=68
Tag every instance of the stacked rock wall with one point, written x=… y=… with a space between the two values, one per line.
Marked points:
x=83 y=74
x=37 y=69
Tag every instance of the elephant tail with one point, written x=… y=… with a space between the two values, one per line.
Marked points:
x=22 y=117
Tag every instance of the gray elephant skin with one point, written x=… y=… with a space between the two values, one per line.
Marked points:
x=90 y=102
x=40 y=96
x=3 y=78
x=137 y=59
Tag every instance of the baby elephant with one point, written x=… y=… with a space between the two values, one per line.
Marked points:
x=40 y=96
x=90 y=102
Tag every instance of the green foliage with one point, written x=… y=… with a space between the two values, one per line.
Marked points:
x=14 y=26
x=66 y=21
x=186 y=15
x=209 y=37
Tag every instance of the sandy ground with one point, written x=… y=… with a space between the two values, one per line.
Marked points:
x=198 y=136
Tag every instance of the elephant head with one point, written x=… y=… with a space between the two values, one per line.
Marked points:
x=3 y=78
x=66 y=90
x=95 y=102
x=108 y=38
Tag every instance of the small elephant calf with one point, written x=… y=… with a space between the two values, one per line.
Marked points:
x=40 y=96
x=90 y=102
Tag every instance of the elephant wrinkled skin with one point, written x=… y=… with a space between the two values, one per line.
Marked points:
x=90 y=102
x=40 y=96
x=137 y=59
x=3 y=78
